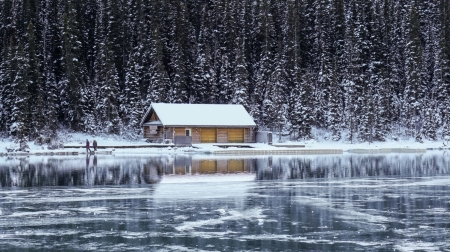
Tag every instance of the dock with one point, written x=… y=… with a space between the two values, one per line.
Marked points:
x=386 y=151
x=289 y=145
x=121 y=146
x=279 y=152
x=56 y=153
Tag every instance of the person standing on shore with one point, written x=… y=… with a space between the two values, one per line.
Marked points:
x=88 y=150
x=95 y=145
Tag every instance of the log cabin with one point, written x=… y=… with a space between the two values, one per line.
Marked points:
x=198 y=123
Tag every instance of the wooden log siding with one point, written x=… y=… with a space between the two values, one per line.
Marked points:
x=154 y=117
x=248 y=135
x=205 y=135
x=180 y=131
x=195 y=136
x=222 y=135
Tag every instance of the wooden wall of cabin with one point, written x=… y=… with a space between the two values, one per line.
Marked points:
x=249 y=136
x=221 y=134
x=154 y=117
x=180 y=131
x=224 y=135
x=159 y=133
x=195 y=136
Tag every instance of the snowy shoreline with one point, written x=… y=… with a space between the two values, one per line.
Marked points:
x=121 y=145
x=288 y=148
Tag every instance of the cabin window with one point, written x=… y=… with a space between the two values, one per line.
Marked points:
x=153 y=129
x=188 y=132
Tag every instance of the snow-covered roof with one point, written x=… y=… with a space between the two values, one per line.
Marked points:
x=227 y=115
x=152 y=123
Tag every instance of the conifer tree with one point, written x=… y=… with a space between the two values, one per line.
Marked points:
x=20 y=112
x=306 y=110
x=132 y=109
x=414 y=82
x=7 y=98
x=204 y=71
x=240 y=83
x=72 y=76
x=333 y=111
x=265 y=64
x=48 y=47
x=108 y=89
x=36 y=121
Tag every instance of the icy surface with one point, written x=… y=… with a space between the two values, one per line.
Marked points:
x=285 y=203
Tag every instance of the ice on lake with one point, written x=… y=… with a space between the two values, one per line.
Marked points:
x=204 y=203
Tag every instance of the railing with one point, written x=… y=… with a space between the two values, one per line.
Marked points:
x=183 y=140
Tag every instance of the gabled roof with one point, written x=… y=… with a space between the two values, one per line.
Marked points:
x=201 y=115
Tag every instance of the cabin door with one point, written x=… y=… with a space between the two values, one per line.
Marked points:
x=235 y=135
x=208 y=135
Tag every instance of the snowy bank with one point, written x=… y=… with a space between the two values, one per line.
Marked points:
x=121 y=145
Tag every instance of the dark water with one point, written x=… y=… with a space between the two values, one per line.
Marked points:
x=200 y=203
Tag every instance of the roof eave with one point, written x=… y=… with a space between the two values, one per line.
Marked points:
x=212 y=126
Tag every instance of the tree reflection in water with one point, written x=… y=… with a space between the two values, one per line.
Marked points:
x=113 y=170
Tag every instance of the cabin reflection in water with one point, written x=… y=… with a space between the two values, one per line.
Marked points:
x=107 y=170
x=183 y=165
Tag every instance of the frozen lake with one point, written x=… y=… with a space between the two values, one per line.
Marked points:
x=204 y=203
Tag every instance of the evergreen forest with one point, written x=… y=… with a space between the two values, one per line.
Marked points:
x=374 y=70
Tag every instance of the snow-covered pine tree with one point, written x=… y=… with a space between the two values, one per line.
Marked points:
x=132 y=108
x=20 y=113
x=115 y=32
x=352 y=82
x=224 y=79
x=108 y=84
x=178 y=41
x=321 y=52
x=11 y=22
x=414 y=90
x=227 y=25
x=7 y=67
x=274 y=115
x=334 y=110
x=240 y=82
x=151 y=52
x=36 y=121
x=160 y=81
x=266 y=63
x=50 y=38
x=294 y=111
x=444 y=39
x=305 y=105
x=71 y=80
x=204 y=75
x=241 y=79
x=299 y=87
x=430 y=121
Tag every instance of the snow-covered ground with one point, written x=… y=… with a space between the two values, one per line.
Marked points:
x=79 y=139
